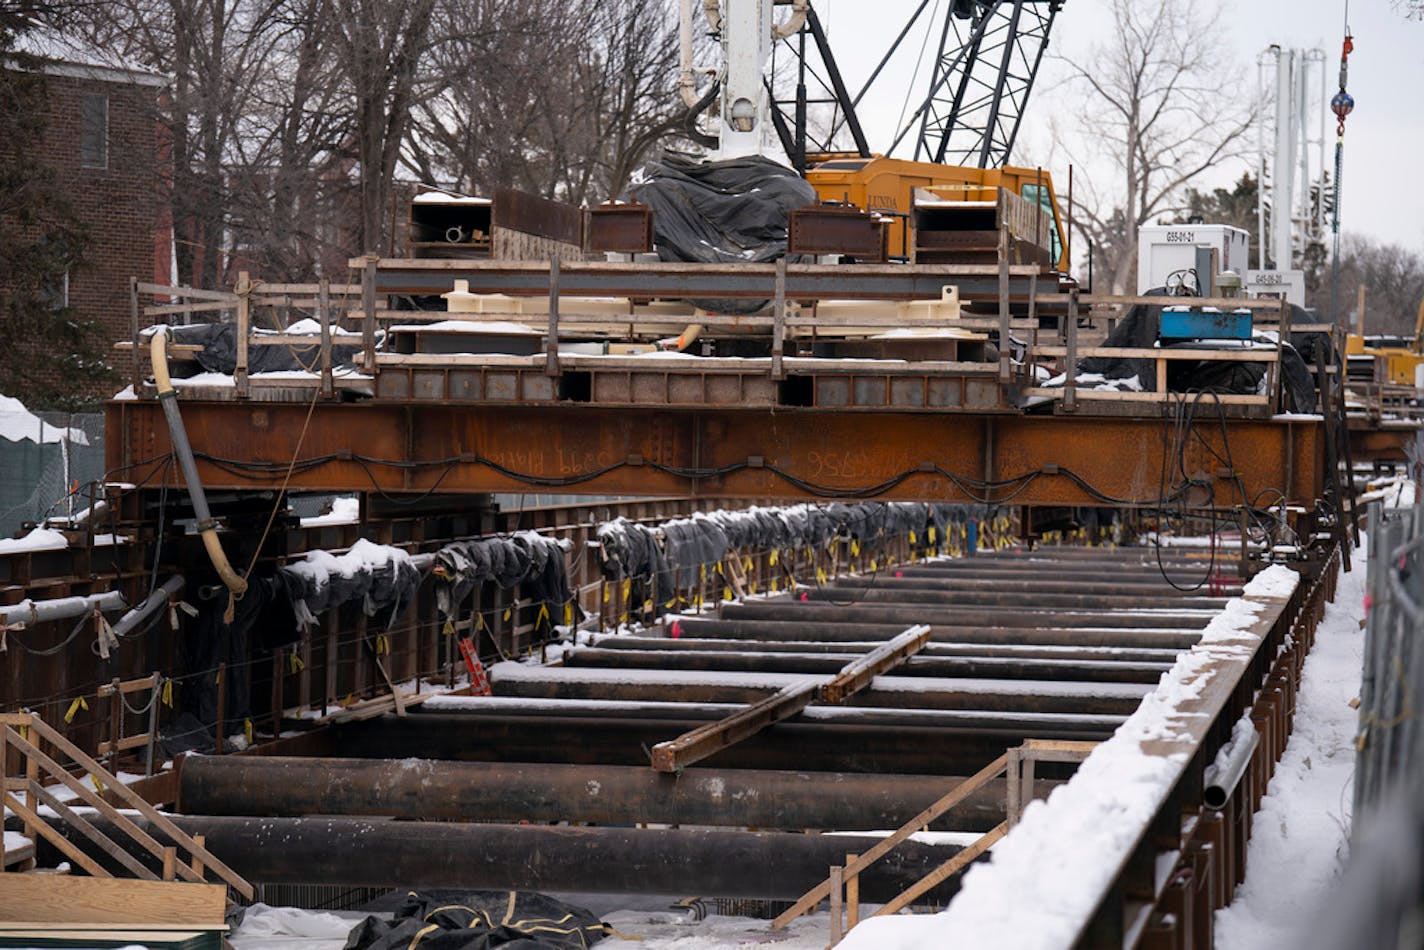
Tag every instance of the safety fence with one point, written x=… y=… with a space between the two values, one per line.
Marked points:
x=39 y=470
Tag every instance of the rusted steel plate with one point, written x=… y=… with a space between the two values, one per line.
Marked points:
x=622 y=229
x=729 y=453
x=521 y=211
x=832 y=229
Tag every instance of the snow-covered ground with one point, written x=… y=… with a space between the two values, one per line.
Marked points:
x=1301 y=834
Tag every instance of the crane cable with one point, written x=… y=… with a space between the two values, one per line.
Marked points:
x=1342 y=104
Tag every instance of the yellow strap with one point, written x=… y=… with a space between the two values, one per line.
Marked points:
x=383 y=646
x=247 y=730
x=726 y=593
x=297 y=664
x=543 y=615
x=508 y=612
x=74 y=708
x=568 y=614
x=98 y=785
x=627 y=588
x=912 y=537
x=772 y=558
x=168 y=693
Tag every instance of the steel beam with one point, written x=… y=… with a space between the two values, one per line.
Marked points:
x=774 y=452
x=365 y=852
x=428 y=790
x=673 y=755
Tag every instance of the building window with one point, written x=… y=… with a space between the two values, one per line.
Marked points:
x=54 y=294
x=94 y=131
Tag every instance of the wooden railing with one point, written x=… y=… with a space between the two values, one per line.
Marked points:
x=25 y=793
x=842 y=887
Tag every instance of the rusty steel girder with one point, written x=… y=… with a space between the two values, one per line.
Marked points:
x=726 y=453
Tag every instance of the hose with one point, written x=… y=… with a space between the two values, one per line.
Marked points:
x=689 y=121
x=207 y=528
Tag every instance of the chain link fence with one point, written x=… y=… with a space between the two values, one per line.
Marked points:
x=39 y=472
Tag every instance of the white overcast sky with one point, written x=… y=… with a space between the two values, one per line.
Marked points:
x=1382 y=189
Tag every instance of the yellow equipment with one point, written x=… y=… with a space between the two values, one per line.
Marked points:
x=886 y=186
x=1400 y=364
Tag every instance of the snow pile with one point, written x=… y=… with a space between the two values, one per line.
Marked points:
x=1300 y=835
x=39 y=539
x=1046 y=874
x=18 y=424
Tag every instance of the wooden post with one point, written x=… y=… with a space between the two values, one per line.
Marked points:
x=116 y=721
x=323 y=315
x=778 y=321
x=244 y=317
x=1360 y=309
x=1004 y=362
x=1070 y=362
x=134 y=374
x=219 y=727
x=551 y=344
x=852 y=895
x=837 y=894
x=170 y=863
x=197 y=862
x=368 y=313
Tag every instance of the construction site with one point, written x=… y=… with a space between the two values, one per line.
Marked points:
x=778 y=542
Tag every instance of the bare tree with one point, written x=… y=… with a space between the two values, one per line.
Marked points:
x=1160 y=105
x=1393 y=278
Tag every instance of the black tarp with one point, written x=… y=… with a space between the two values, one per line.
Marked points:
x=1140 y=328
x=528 y=560
x=732 y=211
x=477 y=920
x=219 y=353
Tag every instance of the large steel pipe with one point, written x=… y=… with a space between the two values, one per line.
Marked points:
x=365 y=852
x=887 y=692
x=683 y=642
x=946 y=594
x=603 y=741
x=1048 y=582
x=792 y=628
x=1103 y=671
x=435 y=790
x=1022 y=616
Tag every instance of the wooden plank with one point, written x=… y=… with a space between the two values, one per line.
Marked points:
x=54 y=837
x=160 y=290
x=944 y=871
x=1107 y=395
x=63 y=899
x=1268 y=355
x=85 y=827
x=961 y=791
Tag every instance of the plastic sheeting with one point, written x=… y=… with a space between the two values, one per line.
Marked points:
x=527 y=559
x=380 y=576
x=477 y=920
x=656 y=559
x=219 y=354
x=732 y=211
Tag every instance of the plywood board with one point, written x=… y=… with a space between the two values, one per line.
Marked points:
x=73 y=900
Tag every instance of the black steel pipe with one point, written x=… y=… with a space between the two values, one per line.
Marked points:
x=791 y=628
x=887 y=692
x=1164 y=656
x=1103 y=671
x=366 y=852
x=602 y=741
x=1035 y=602
x=1013 y=617
x=434 y=790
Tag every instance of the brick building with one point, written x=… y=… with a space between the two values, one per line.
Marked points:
x=101 y=139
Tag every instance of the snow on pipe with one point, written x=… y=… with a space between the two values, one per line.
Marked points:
x=1220 y=779
x=61 y=608
x=149 y=604
x=207 y=529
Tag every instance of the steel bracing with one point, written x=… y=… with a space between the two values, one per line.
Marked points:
x=988 y=57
